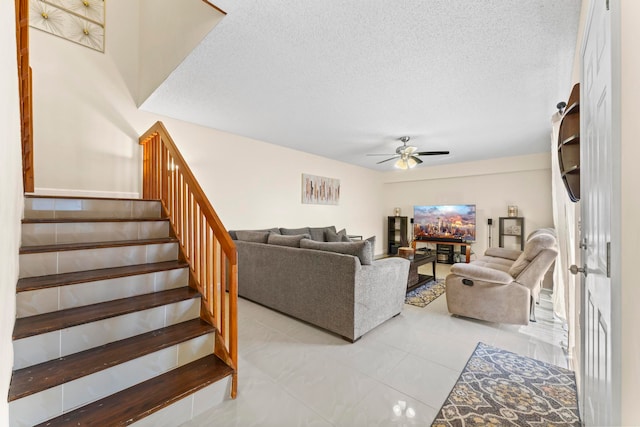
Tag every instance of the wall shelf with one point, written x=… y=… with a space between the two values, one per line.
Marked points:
x=569 y=145
x=513 y=227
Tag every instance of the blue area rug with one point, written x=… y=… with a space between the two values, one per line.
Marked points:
x=422 y=296
x=500 y=388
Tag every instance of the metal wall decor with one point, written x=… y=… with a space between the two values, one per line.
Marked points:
x=79 y=21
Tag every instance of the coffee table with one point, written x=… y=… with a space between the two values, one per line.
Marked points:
x=416 y=279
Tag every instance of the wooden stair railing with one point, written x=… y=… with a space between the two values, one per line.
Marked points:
x=205 y=243
x=25 y=93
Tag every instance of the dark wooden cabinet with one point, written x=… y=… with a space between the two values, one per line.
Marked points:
x=569 y=145
x=511 y=227
x=396 y=233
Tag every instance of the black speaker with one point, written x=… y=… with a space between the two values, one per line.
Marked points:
x=490 y=221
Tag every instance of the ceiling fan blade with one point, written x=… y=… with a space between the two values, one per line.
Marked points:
x=391 y=158
x=418 y=161
x=430 y=153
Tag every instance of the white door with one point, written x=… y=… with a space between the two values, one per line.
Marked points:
x=596 y=197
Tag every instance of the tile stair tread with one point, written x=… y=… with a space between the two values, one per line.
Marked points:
x=141 y=400
x=62 y=279
x=36 y=378
x=94 y=245
x=80 y=220
x=47 y=322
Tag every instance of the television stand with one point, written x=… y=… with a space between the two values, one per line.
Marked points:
x=464 y=246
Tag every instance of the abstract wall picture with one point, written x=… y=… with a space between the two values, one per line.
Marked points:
x=80 y=21
x=320 y=190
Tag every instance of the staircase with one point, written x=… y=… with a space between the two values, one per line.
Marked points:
x=108 y=329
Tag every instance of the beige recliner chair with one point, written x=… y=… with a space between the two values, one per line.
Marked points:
x=502 y=285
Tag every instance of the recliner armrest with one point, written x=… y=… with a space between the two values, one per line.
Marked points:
x=485 y=274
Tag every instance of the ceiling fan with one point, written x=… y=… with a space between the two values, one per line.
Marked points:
x=407 y=155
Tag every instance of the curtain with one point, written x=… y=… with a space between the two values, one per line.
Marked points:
x=564 y=218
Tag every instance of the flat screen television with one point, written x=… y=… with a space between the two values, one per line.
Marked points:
x=453 y=223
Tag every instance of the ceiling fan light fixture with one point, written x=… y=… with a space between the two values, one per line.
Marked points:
x=406 y=163
x=407 y=156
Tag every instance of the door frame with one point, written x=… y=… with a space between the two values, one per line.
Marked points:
x=616 y=211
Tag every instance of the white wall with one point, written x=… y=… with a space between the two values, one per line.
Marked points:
x=630 y=209
x=168 y=33
x=87 y=126
x=492 y=185
x=253 y=184
x=10 y=195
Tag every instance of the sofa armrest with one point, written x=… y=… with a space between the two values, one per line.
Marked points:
x=395 y=265
x=503 y=253
x=485 y=274
x=380 y=290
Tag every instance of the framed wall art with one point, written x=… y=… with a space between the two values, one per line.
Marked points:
x=320 y=190
x=79 y=21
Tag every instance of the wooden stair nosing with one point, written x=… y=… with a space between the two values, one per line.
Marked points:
x=94 y=245
x=36 y=378
x=132 y=404
x=94 y=220
x=47 y=322
x=125 y=199
x=75 y=277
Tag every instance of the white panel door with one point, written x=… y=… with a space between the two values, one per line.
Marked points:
x=596 y=197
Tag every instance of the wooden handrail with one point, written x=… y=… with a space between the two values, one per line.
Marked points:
x=25 y=93
x=204 y=242
x=215 y=7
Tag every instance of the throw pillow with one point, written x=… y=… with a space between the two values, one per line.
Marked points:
x=372 y=241
x=333 y=236
x=253 y=236
x=294 y=231
x=319 y=233
x=360 y=249
x=287 y=240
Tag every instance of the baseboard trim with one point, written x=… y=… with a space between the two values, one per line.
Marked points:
x=39 y=191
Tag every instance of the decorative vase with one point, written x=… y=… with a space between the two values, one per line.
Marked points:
x=406 y=252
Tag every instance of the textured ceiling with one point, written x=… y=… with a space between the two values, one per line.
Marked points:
x=341 y=79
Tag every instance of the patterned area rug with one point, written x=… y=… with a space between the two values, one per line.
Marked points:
x=422 y=296
x=500 y=388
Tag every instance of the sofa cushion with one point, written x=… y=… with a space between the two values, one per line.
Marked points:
x=234 y=233
x=252 y=236
x=319 y=234
x=508 y=255
x=287 y=240
x=294 y=231
x=360 y=249
x=532 y=248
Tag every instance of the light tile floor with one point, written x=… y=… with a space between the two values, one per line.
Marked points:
x=399 y=374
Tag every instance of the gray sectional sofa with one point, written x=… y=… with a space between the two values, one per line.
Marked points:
x=337 y=285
